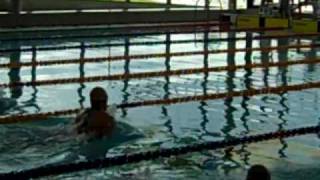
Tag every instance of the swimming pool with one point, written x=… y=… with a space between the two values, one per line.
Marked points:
x=34 y=144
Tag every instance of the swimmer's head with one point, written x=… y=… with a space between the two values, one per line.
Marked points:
x=258 y=172
x=98 y=99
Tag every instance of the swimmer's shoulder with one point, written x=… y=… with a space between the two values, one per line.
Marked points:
x=95 y=122
x=102 y=119
x=101 y=124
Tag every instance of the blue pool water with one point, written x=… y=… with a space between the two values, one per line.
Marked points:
x=35 y=144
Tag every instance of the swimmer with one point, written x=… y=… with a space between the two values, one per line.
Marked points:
x=95 y=120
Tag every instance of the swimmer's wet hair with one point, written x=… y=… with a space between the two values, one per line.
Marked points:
x=98 y=93
x=98 y=98
x=258 y=172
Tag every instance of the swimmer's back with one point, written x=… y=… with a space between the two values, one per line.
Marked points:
x=97 y=123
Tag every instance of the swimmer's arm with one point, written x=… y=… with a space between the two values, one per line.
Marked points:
x=80 y=116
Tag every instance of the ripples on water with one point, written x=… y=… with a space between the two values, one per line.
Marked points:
x=28 y=145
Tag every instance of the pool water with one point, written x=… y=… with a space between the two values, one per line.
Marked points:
x=34 y=144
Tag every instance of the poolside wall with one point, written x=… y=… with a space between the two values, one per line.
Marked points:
x=106 y=18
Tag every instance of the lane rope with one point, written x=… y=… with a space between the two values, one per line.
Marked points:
x=177 y=100
x=123 y=159
x=147 y=56
x=165 y=73
x=157 y=42
x=144 y=32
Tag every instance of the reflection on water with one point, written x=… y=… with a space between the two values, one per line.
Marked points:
x=232 y=117
x=229 y=108
x=203 y=104
x=14 y=73
x=14 y=77
x=126 y=95
x=166 y=87
x=82 y=75
x=245 y=154
x=265 y=57
x=283 y=56
x=248 y=83
x=312 y=53
x=32 y=102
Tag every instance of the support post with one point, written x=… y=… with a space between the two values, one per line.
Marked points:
x=232 y=4
x=16 y=6
x=250 y=4
x=168 y=4
x=284 y=8
x=207 y=4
